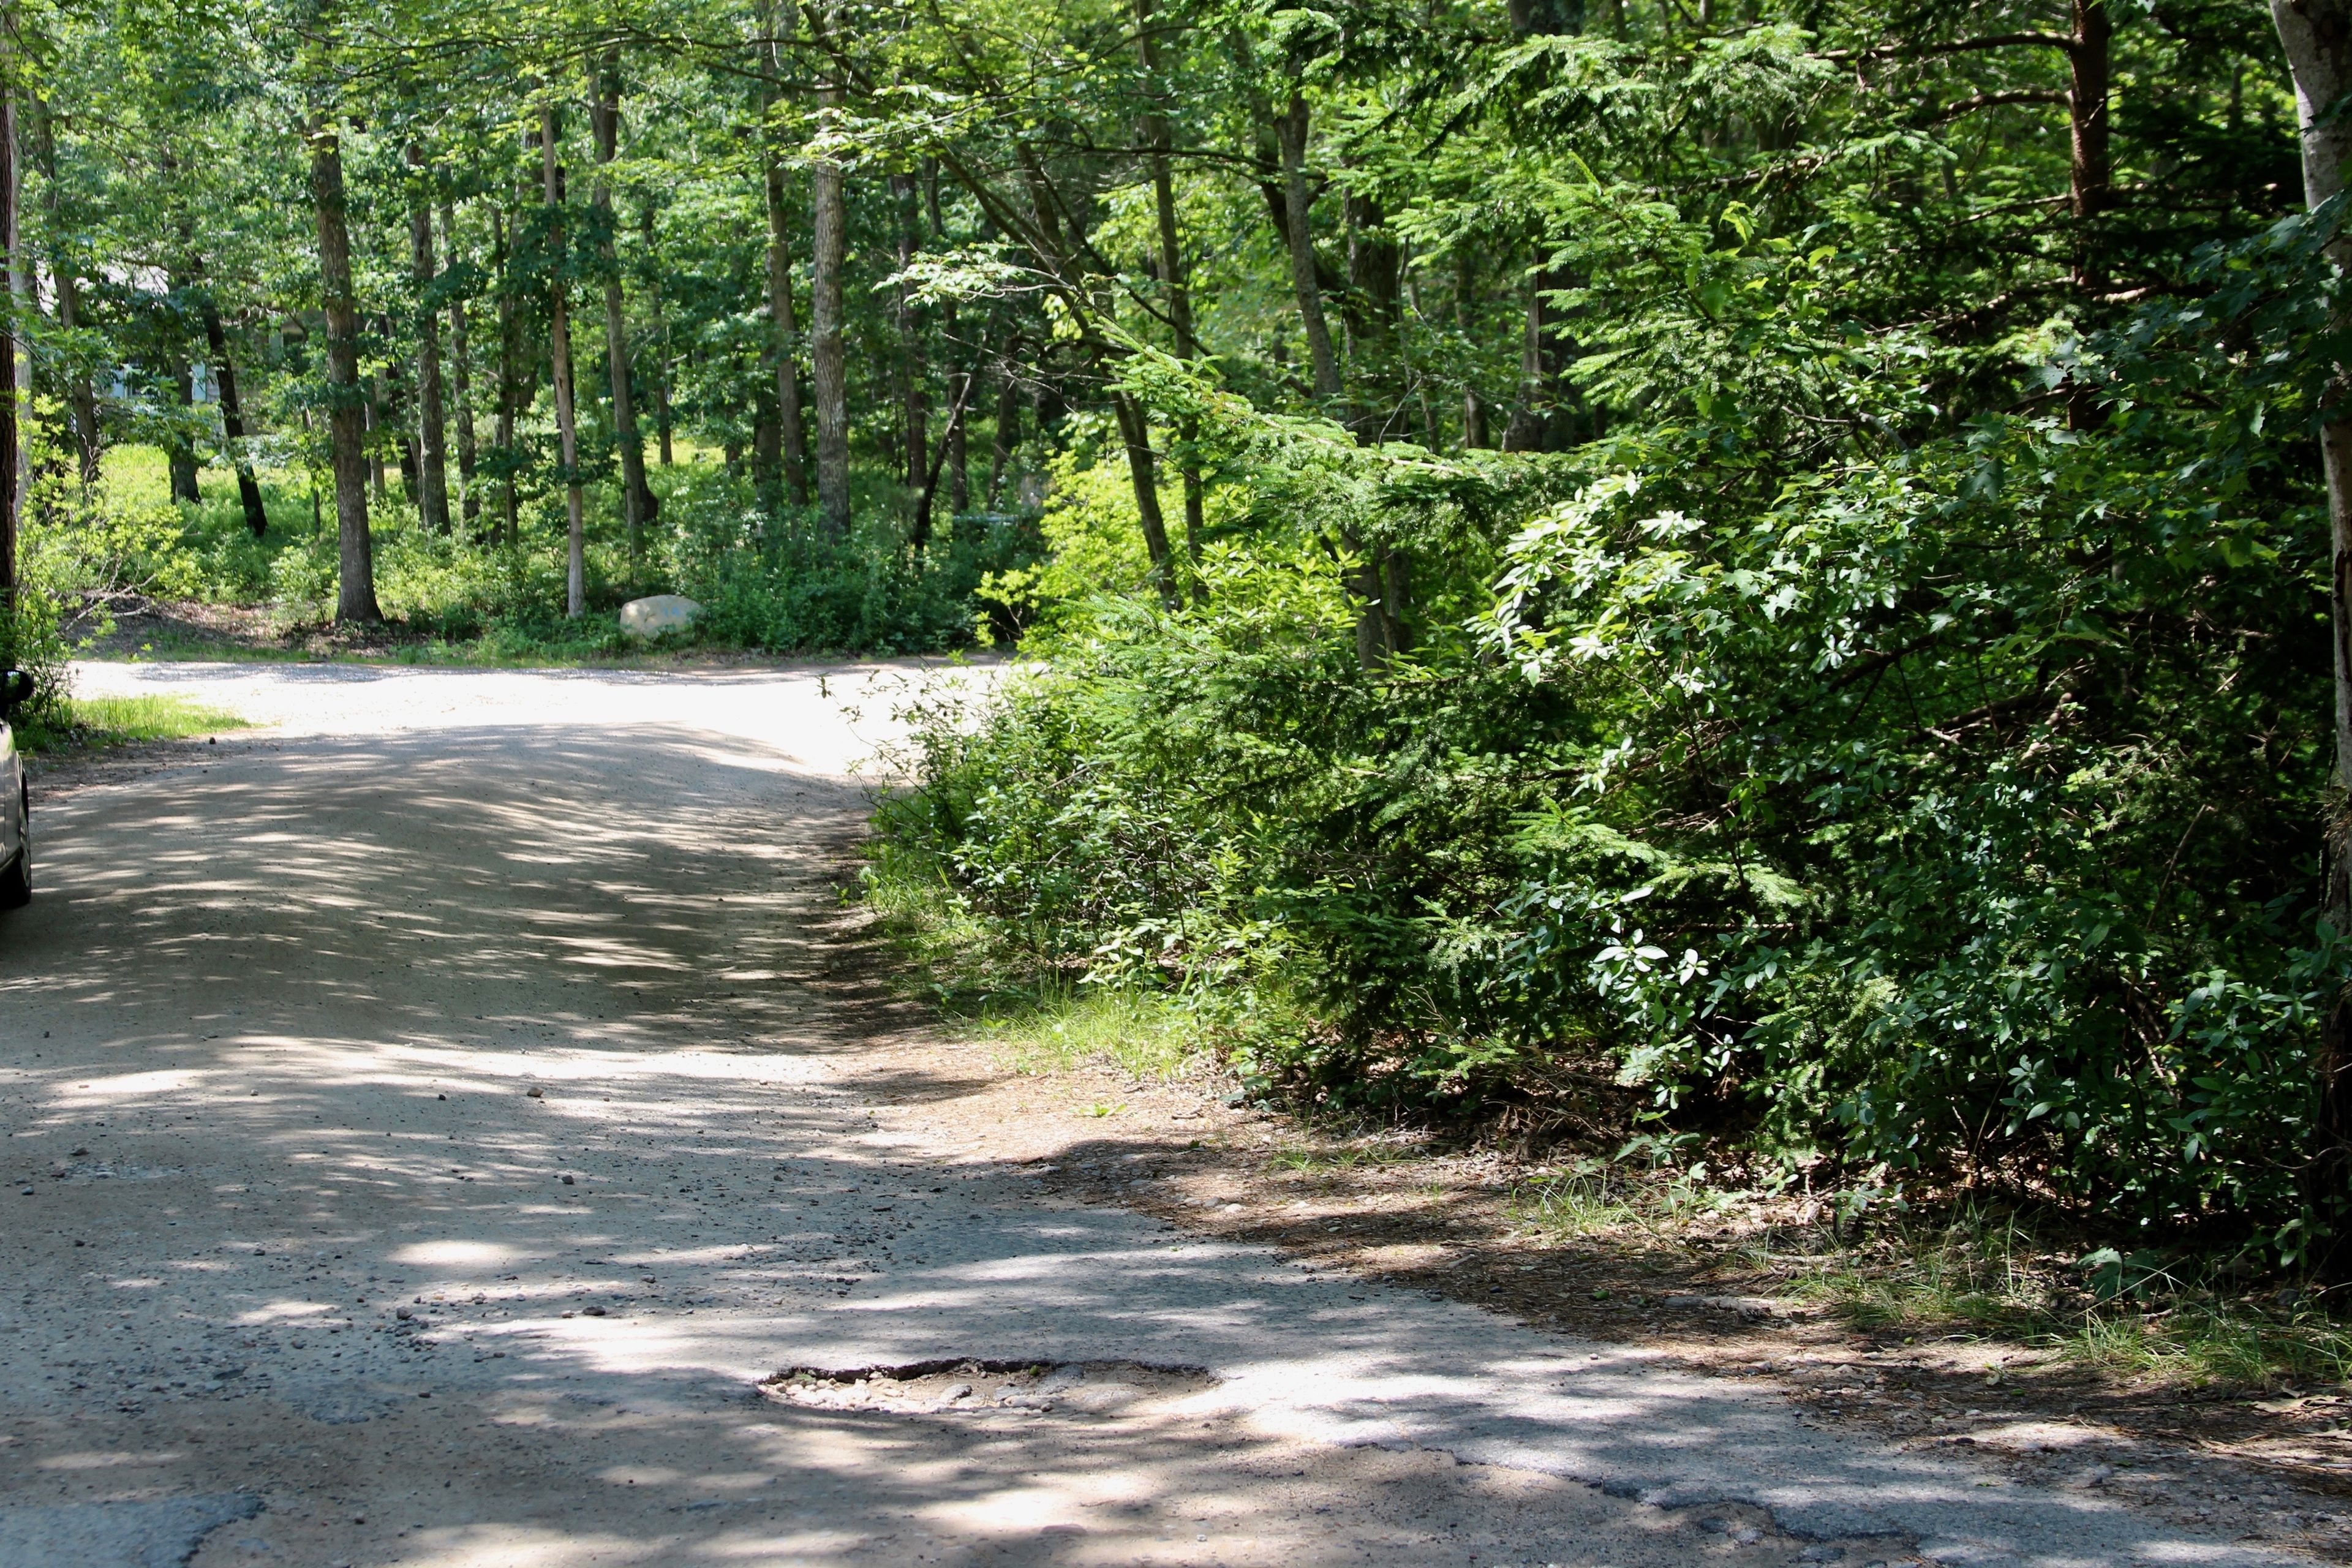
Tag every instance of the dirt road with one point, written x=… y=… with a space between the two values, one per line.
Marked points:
x=433 y=1126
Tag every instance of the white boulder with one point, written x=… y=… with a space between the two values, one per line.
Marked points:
x=647 y=620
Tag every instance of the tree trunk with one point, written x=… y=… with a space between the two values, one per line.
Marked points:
x=827 y=352
x=960 y=376
x=81 y=397
x=392 y=414
x=461 y=378
x=370 y=402
x=928 y=482
x=637 y=503
x=2317 y=37
x=1299 y=206
x=1525 y=430
x=1474 y=408
x=559 y=348
x=913 y=373
x=1174 y=278
x=346 y=406
x=1377 y=625
x=12 y=446
x=791 y=419
x=783 y=322
x=179 y=450
x=2091 y=170
x=179 y=442
x=19 y=263
x=1134 y=430
x=1375 y=294
x=510 y=385
x=960 y=385
x=1008 y=433
x=1055 y=255
x=661 y=339
x=433 y=455
x=249 y=493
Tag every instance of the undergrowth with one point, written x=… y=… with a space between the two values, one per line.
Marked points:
x=1969 y=1272
x=1035 y=1020
x=770 y=580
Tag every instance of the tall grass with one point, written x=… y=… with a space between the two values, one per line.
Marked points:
x=119 y=720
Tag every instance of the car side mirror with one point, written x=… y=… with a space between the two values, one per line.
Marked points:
x=16 y=689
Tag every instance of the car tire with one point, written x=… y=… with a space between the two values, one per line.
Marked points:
x=16 y=881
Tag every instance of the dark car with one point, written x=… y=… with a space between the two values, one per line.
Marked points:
x=15 y=801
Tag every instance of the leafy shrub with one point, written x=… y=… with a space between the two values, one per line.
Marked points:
x=1945 y=814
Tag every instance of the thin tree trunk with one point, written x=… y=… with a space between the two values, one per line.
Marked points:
x=1474 y=408
x=637 y=503
x=1414 y=381
x=1134 y=424
x=179 y=451
x=1524 y=431
x=2317 y=37
x=960 y=385
x=767 y=446
x=914 y=390
x=179 y=445
x=346 y=409
x=433 y=455
x=782 y=318
x=960 y=376
x=372 y=421
x=509 y=384
x=1174 y=275
x=19 y=262
x=827 y=351
x=928 y=488
x=1377 y=630
x=1299 y=208
x=661 y=338
x=392 y=414
x=2091 y=170
x=1375 y=292
x=1134 y=430
x=249 y=493
x=1008 y=433
x=81 y=397
x=559 y=348
x=961 y=382
x=12 y=446
x=461 y=378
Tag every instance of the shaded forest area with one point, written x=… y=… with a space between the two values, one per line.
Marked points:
x=1735 y=581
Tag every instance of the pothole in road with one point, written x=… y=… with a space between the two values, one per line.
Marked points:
x=977 y=1387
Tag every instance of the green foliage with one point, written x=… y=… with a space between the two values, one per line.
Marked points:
x=1754 y=579
x=119 y=720
x=1947 y=810
x=775 y=581
x=30 y=641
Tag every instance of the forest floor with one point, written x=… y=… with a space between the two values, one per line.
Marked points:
x=462 y=1122
x=142 y=628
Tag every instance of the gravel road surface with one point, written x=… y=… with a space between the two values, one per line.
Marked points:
x=438 y=1131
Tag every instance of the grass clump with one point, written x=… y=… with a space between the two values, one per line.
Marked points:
x=1142 y=1034
x=1034 y=1018
x=2138 y=1318
x=1969 y=1272
x=121 y=720
x=1599 y=1198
